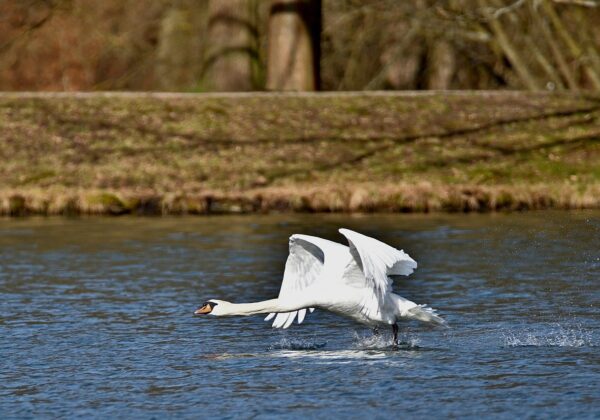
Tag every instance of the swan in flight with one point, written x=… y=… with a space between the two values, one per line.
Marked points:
x=353 y=281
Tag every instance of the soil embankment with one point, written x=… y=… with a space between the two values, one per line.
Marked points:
x=231 y=153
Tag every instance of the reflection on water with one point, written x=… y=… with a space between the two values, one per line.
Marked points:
x=96 y=319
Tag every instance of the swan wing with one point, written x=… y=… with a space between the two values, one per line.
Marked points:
x=377 y=261
x=303 y=268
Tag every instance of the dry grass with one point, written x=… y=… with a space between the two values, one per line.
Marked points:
x=161 y=154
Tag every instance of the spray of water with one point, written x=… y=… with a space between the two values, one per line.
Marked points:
x=370 y=341
x=556 y=335
x=296 y=344
x=361 y=341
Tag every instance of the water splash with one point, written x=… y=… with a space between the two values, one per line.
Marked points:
x=556 y=336
x=384 y=342
x=295 y=344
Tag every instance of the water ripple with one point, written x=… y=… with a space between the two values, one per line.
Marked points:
x=96 y=320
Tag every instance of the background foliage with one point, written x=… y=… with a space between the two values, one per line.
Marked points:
x=365 y=45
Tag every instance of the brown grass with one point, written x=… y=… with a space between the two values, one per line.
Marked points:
x=364 y=198
x=199 y=154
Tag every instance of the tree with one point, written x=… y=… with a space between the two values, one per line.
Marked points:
x=180 y=45
x=231 y=47
x=294 y=45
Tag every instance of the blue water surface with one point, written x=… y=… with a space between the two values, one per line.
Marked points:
x=96 y=320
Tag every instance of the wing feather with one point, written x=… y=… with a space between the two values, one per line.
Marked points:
x=303 y=268
x=371 y=265
x=377 y=261
x=301 y=315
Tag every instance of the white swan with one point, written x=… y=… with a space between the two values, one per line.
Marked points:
x=352 y=281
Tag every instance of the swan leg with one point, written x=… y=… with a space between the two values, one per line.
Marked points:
x=395 y=331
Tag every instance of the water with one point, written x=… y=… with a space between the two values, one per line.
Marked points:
x=96 y=320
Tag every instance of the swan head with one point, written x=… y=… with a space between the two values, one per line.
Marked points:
x=213 y=307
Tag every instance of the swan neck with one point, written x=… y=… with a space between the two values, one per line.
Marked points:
x=262 y=307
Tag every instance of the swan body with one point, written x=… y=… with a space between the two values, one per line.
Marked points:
x=352 y=281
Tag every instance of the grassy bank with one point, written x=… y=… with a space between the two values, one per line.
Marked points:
x=159 y=154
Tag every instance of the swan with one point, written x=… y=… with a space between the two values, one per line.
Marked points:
x=352 y=281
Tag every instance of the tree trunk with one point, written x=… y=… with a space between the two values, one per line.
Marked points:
x=441 y=65
x=180 y=45
x=294 y=45
x=228 y=62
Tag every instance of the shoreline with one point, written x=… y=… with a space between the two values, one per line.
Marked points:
x=419 y=199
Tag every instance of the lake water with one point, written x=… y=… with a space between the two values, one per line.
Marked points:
x=96 y=320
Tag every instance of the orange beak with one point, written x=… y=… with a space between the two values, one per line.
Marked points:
x=206 y=309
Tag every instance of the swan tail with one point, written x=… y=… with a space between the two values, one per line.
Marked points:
x=426 y=314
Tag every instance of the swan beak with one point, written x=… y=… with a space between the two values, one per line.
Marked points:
x=206 y=309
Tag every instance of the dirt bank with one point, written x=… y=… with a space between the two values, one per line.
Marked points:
x=231 y=153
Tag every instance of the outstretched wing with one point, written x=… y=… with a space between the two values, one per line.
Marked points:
x=377 y=261
x=303 y=268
